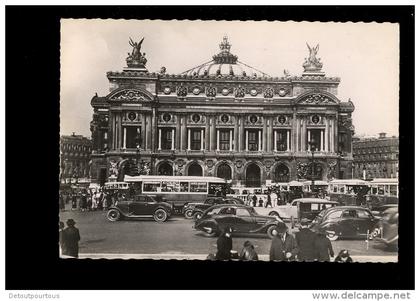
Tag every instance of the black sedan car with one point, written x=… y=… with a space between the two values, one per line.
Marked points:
x=196 y=209
x=140 y=206
x=345 y=222
x=241 y=218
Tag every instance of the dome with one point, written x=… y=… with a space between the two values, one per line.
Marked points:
x=225 y=64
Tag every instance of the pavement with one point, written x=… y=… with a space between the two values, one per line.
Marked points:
x=175 y=239
x=174 y=256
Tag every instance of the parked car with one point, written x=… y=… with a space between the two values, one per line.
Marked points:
x=241 y=218
x=379 y=211
x=300 y=208
x=387 y=228
x=345 y=222
x=196 y=209
x=140 y=206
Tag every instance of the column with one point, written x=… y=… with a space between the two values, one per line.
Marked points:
x=240 y=134
x=178 y=133
x=246 y=140
x=259 y=141
x=288 y=140
x=173 y=140
x=207 y=133
x=217 y=140
x=125 y=138
x=189 y=140
x=202 y=140
x=270 y=135
x=275 y=140
x=322 y=141
x=144 y=130
x=230 y=139
x=149 y=132
x=264 y=135
x=160 y=140
x=327 y=134
x=236 y=134
x=333 y=135
x=182 y=134
x=309 y=140
x=303 y=147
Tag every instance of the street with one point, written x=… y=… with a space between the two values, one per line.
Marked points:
x=177 y=237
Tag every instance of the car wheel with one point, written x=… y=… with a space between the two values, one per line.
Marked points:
x=270 y=231
x=160 y=215
x=274 y=213
x=113 y=215
x=332 y=235
x=198 y=215
x=188 y=214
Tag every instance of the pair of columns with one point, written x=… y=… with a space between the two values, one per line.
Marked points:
x=287 y=140
x=201 y=140
x=218 y=140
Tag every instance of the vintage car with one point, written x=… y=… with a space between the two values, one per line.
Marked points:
x=298 y=209
x=140 y=206
x=196 y=210
x=387 y=228
x=345 y=222
x=380 y=210
x=240 y=218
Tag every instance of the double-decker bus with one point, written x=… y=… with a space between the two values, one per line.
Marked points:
x=178 y=190
x=382 y=192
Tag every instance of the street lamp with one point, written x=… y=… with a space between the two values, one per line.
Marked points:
x=313 y=148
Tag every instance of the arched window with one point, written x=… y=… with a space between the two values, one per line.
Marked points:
x=195 y=170
x=253 y=175
x=224 y=171
x=281 y=174
x=165 y=169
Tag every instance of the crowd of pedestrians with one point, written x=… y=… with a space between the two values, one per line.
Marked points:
x=306 y=245
x=89 y=200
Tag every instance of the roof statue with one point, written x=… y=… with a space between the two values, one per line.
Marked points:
x=312 y=63
x=136 y=59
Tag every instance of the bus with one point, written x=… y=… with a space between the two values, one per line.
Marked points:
x=318 y=187
x=177 y=190
x=382 y=192
x=348 y=191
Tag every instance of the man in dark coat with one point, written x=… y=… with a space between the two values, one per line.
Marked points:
x=70 y=238
x=224 y=245
x=323 y=247
x=283 y=245
x=305 y=240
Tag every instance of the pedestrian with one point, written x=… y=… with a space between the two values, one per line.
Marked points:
x=73 y=201
x=268 y=203
x=305 y=240
x=323 y=247
x=99 y=200
x=283 y=246
x=260 y=202
x=254 y=200
x=343 y=256
x=60 y=233
x=248 y=252
x=71 y=238
x=62 y=203
x=224 y=244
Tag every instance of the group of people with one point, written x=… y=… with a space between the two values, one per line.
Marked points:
x=305 y=245
x=69 y=239
x=89 y=200
x=271 y=198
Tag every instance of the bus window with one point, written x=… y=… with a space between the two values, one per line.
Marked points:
x=183 y=187
x=386 y=189
x=374 y=190
x=169 y=186
x=198 y=187
x=342 y=189
x=381 y=190
x=151 y=187
x=393 y=190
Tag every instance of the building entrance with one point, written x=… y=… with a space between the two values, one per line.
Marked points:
x=253 y=176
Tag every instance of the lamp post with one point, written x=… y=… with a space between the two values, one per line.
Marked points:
x=313 y=148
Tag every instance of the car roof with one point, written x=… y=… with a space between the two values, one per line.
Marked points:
x=314 y=200
x=346 y=207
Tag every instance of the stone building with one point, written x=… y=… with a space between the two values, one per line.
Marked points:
x=75 y=153
x=222 y=118
x=376 y=157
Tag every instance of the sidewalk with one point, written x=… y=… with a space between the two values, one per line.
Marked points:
x=357 y=258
